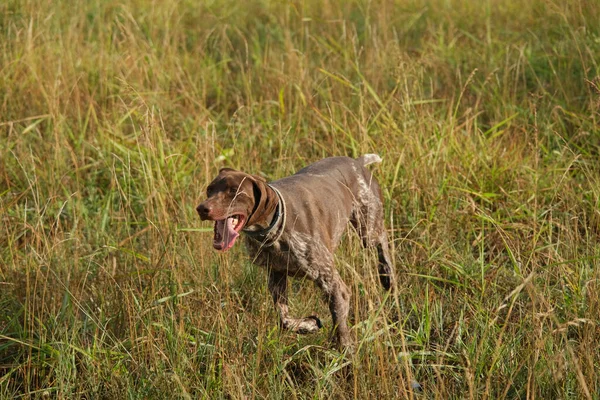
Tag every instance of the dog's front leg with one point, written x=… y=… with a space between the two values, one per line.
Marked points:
x=278 y=289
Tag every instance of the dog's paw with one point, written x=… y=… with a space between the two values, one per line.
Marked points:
x=307 y=325
x=317 y=321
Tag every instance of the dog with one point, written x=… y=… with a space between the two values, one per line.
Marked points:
x=293 y=226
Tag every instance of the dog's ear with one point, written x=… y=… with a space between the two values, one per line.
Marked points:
x=259 y=178
x=264 y=199
x=226 y=170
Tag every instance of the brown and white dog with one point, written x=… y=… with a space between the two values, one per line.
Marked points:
x=293 y=226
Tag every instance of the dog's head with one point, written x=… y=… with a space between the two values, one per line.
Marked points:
x=234 y=200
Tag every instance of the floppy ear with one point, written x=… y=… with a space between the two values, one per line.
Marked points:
x=259 y=178
x=265 y=200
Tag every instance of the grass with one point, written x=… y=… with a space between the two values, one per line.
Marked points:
x=115 y=116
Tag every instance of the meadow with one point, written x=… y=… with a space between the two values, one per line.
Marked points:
x=115 y=115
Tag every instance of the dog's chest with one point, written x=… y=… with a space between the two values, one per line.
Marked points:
x=294 y=253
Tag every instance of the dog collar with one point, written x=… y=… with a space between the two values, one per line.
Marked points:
x=273 y=232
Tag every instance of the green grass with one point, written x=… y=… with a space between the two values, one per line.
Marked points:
x=115 y=116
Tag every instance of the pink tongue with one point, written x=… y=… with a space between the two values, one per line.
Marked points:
x=228 y=234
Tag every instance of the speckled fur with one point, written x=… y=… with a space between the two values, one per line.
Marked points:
x=320 y=201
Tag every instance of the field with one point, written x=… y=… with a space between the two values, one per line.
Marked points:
x=114 y=116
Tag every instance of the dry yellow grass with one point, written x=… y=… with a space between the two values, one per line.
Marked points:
x=115 y=115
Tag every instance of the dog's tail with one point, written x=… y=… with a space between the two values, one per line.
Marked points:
x=368 y=159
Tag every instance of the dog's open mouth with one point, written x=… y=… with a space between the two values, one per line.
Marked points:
x=227 y=231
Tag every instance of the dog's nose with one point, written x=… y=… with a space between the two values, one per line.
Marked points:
x=203 y=210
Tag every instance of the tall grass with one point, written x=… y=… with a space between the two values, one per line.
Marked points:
x=115 y=116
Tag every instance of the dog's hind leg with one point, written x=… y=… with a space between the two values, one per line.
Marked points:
x=368 y=220
x=338 y=297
